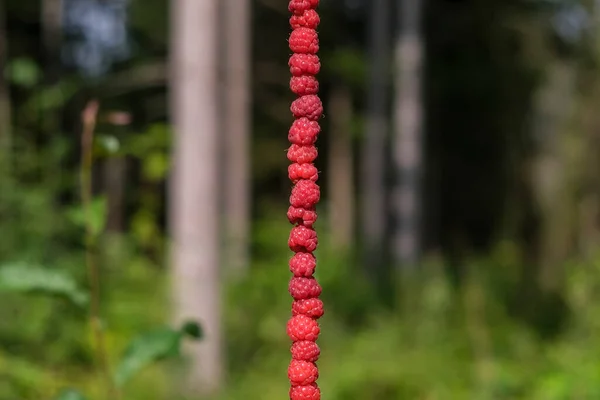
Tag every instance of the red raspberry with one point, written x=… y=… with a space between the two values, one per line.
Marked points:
x=303 y=85
x=305 y=194
x=303 y=264
x=302 y=327
x=311 y=392
x=308 y=19
x=304 y=288
x=304 y=132
x=298 y=172
x=300 y=216
x=305 y=350
x=304 y=41
x=302 y=154
x=302 y=373
x=300 y=6
x=304 y=64
x=310 y=307
x=309 y=106
x=303 y=239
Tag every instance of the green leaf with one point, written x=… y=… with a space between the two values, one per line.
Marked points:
x=107 y=144
x=70 y=394
x=193 y=330
x=99 y=211
x=24 y=72
x=21 y=278
x=145 y=350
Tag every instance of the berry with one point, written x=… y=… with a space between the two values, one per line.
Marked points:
x=302 y=327
x=303 y=85
x=311 y=307
x=299 y=172
x=309 y=106
x=300 y=6
x=304 y=64
x=306 y=193
x=305 y=350
x=302 y=373
x=303 y=264
x=304 y=288
x=310 y=392
x=300 y=216
x=302 y=154
x=304 y=41
x=304 y=132
x=303 y=239
x=308 y=19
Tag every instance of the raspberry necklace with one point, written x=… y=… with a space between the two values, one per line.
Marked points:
x=303 y=328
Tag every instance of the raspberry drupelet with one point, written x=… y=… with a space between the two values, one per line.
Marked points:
x=303 y=328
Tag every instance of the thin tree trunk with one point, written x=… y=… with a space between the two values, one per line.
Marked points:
x=237 y=126
x=194 y=206
x=5 y=104
x=51 y=18
x=115 y=169
x=341 y=185
x=373 y=204
x=554 y=173
x=408 y=136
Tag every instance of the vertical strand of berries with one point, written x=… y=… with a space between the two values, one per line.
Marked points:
x=307 y=308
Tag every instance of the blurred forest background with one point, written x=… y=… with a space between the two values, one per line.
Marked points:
x=459 y=226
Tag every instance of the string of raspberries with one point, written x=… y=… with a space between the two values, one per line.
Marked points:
x=307 y=308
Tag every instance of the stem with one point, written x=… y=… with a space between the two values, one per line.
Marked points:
x=89 y=118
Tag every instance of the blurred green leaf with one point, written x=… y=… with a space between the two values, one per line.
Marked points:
x=21 y=278
x=146 y=349
x=193 y=330
x=156 y=166
x=24 y=72
x=70 y=394
x=99 y=211
x=107 y=145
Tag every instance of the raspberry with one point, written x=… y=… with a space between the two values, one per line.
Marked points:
x=300 y=6
x=304 y=288
x=303 y=85
x=308 y=19
x=305 y=350
x=302 y=154
x=308 y=106
x=303 y=264
x=302 y=373
x=306 y=193
x=304 y=41
x=304 y=132
x=304 y=64
x=298 y=172
x=303 y=239
x=310 y=392
x=311 y=307
x=300 y=216
x=302 y=327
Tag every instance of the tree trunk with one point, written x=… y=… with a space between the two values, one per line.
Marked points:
x=555 y=170
x=51 y=18
x=341 y=165
x=194 y=206
x=115 y=169
x=5 y=106
x=373 y=204
x=408 y=136
x=237 y=127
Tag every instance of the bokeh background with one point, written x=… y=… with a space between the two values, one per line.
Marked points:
x=460 y=215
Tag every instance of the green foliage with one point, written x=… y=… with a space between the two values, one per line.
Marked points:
x=22 y=278
x=151 y=347
x=96 y=219
x=70 y=394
